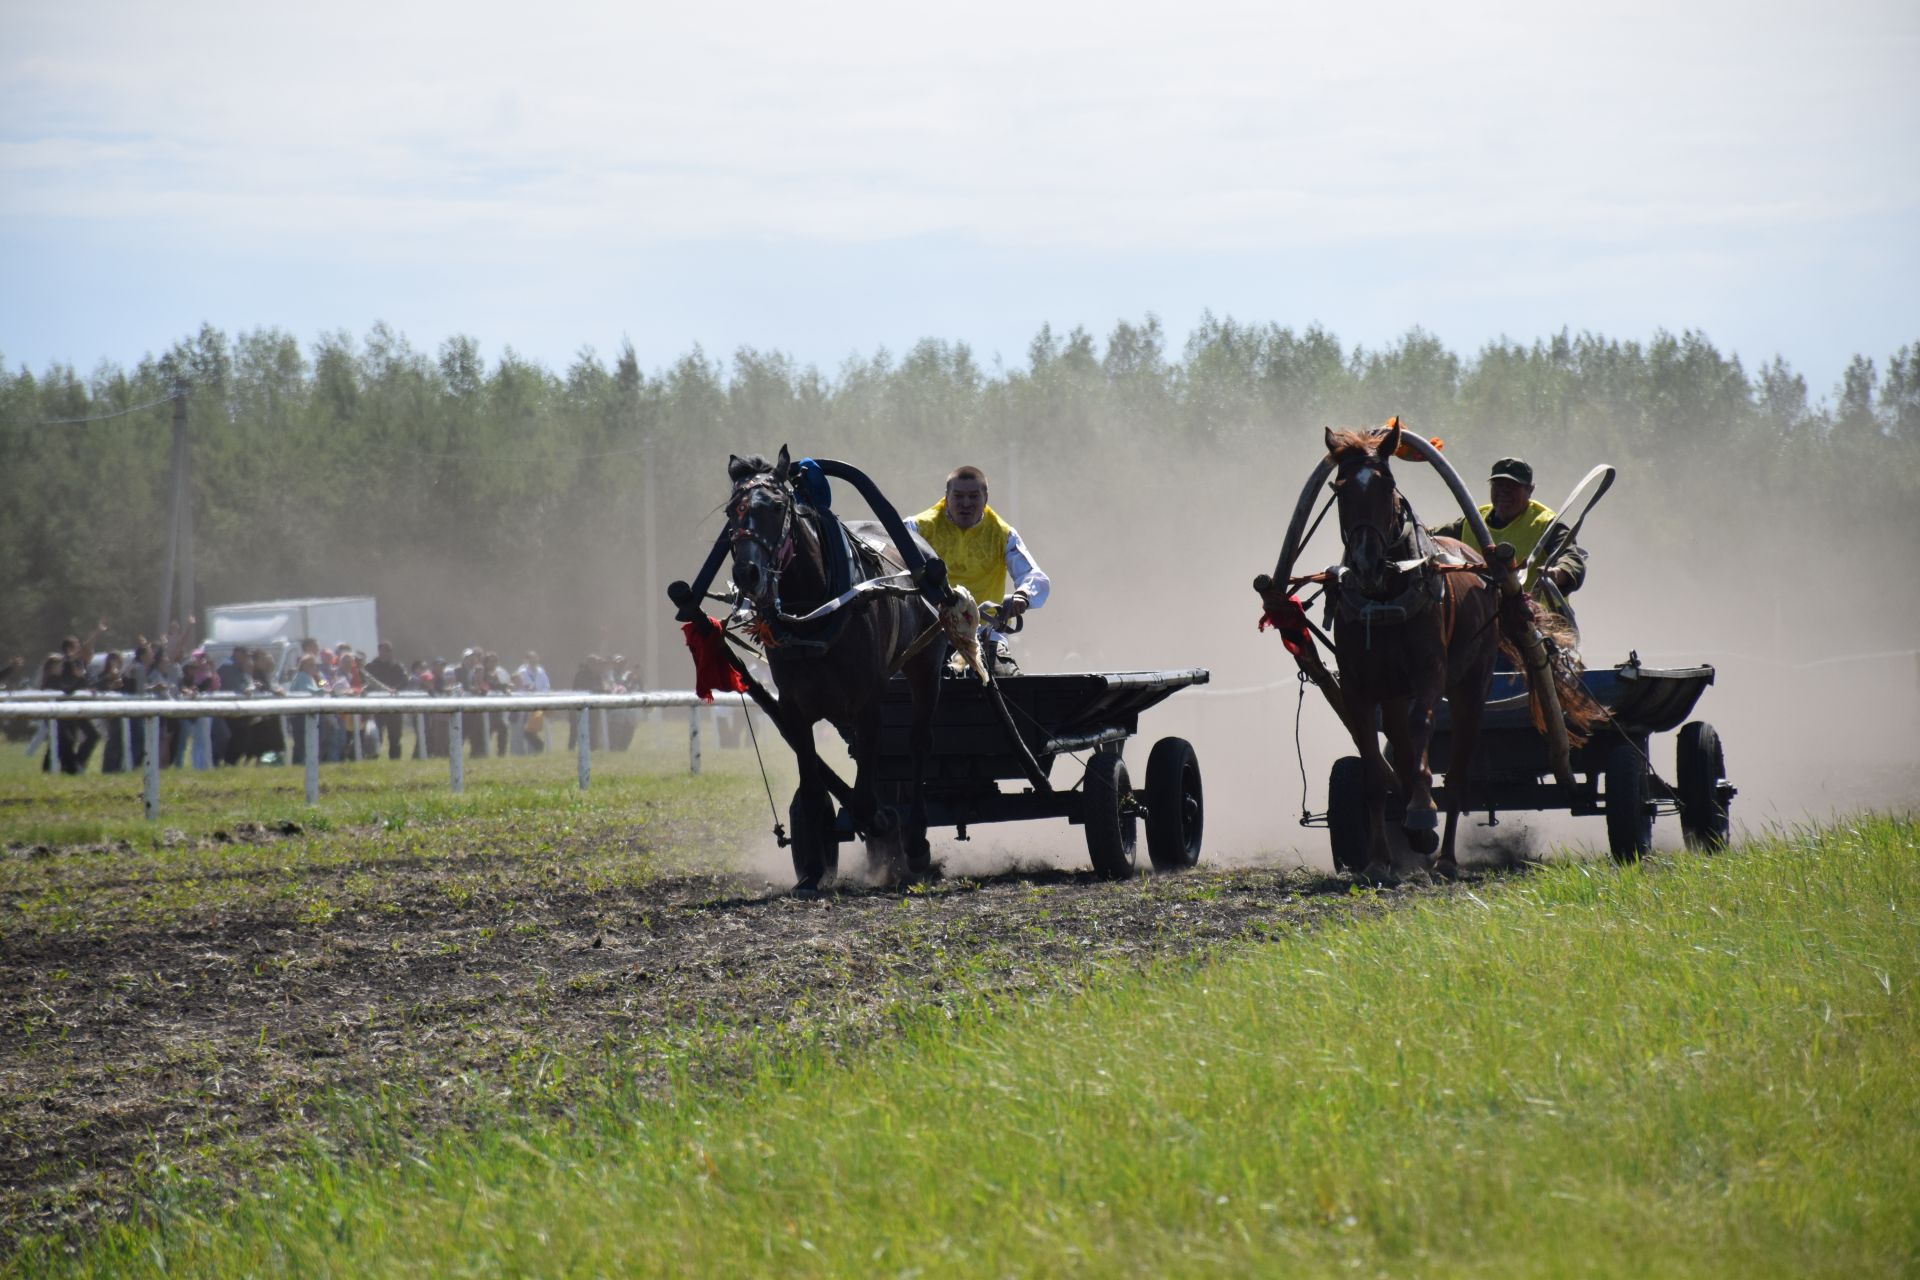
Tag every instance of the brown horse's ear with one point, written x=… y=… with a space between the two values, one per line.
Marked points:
x=1329 y=436
x=1392 y=442
x=780 y=466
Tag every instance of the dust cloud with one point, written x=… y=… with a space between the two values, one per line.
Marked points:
x=1151 y=554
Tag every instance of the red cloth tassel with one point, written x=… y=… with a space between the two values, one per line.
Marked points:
x=711 y=670
x=1291 y=623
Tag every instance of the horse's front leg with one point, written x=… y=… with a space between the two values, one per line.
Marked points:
x=924 y=682
x=1363 y=711
x=1468 y=701
x=1408 y=724
x=884 y=854
x=812 y=817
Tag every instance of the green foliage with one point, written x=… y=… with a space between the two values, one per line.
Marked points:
x=475 y=496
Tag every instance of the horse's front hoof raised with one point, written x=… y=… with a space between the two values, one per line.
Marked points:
x=1423 y=841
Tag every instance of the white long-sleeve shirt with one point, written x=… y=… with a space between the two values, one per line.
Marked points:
x=1029 y=579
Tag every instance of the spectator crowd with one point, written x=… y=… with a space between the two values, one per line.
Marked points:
x=168 y=669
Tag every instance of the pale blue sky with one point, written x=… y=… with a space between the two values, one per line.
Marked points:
x=825 y=182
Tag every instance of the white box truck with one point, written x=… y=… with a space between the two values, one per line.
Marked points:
x=279 y=626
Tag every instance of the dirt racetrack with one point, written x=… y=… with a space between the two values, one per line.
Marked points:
x=155 y=1035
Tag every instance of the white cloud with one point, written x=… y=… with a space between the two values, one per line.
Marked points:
x=1216 y=126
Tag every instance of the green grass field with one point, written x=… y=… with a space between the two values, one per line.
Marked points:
x=1705 y=1066
x=96 y=807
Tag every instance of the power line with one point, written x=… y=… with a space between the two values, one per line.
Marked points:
x=99 y=417
x=465 y=456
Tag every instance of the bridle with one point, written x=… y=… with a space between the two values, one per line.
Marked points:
x=778 y=552
x=1402 y=516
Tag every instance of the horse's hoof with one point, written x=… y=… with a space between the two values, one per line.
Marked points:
x=806 y=893
x=1422 y=841
x=1378 y=874
x=1446 y=869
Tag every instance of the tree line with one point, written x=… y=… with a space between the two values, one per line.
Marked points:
x=498 y=501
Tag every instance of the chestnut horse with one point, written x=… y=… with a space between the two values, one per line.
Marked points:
x=1405 y=633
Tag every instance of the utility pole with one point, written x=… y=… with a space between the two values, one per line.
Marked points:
x=179 y=516
x=187 y=578
x=1013 y=477
x=651 y=587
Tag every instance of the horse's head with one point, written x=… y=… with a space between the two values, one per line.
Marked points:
x=760 y=514
x=1371 y=514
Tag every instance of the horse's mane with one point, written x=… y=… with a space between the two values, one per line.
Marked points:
x=1350 y=440
x=753 y=464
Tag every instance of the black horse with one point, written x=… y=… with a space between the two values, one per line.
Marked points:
x=834 y=667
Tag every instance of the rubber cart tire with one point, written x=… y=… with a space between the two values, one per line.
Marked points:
x=1347 y=813
x=1700 y=766
x=1176 y=807
x=1112 y=830
x=1629 y=803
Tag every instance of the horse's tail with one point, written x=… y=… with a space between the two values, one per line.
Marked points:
x=1577 y=706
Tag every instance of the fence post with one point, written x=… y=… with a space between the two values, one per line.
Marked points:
x=203 y=742
x=353 y=723
x=53 y=746
x=150 y=793
x=456 y=751
x=582 y=725
x=126 y=742
x=693 y=740
x=419 y=735
x=310 y=732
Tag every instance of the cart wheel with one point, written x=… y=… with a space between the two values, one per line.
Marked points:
x=1629 y=803
x=1175 y=807
x=1347 y=813
x=1111 y=827
x=1700 y=766
x=805 y=834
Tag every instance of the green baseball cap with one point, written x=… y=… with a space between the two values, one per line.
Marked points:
x=1513 y=469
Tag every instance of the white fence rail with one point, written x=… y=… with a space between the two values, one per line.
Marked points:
x=38 y=706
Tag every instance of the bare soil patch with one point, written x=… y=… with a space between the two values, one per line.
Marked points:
x=443 y=990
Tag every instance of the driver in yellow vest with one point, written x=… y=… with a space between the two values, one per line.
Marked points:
x=982 y=552
x=1513 y=516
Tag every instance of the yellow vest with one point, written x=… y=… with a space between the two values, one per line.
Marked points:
x=1524 y=533
x=976 y=558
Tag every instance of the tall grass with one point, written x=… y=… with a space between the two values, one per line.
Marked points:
x=1704 y=1067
